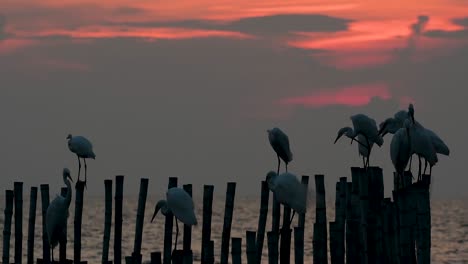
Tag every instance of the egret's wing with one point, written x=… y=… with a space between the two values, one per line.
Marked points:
x=81 y=146
x=400 y=150
x=291 y=192
x=280 y=143
x=181 y=205
x=438 y=143
x=56 y=217
x=401 y=116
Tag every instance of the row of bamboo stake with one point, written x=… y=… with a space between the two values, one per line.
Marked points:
x=367 y=227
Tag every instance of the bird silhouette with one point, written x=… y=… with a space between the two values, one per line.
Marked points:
x=57 y=214
x=83 y=148
x=400 y=151
x=178 y=203
x=280 y=143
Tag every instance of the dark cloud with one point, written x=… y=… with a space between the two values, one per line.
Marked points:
x=418 y=27
x=266 y=25
x=462 y=33
x=461 y=21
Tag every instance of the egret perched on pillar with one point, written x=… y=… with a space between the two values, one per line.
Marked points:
x=179 y=203
x=280 y=143
x=83 y=148
x=57 y=214
x=400 y=151
x=288 y=191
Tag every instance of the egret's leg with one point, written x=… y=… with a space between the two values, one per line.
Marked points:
x=419 y=171
x=177 y=233
x=363 y=161
x=430 y=170
x=277 y=172
x=410 y=159
x=292 y=217
x=52 y=248
x=425 y=166
x=368 y=151
x=79 y=167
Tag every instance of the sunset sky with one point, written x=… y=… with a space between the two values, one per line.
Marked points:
x=188 y=88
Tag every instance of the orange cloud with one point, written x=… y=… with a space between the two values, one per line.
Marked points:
x=357 y=95
x=9 y=46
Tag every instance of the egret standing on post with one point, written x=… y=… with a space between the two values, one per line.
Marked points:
x=83 y=148
x=288 y=191
x=57 y=214
x=180 y=204
x=400 y=151
x=280 y=143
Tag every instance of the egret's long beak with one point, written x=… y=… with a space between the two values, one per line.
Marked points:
x=337 y=137
x=352 y=140
x=156 y=210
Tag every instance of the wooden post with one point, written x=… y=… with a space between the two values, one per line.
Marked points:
x=272 y=247
x=334 y=234
x=31 y=225
x=251 y=248
x=79 y=200
x=207 y=211
x=9 y=196
x=63 y=244
x=375 y=231
x=18 y=189
x=265 y=194
x=340 y=219
x=156 y=257
x=364 y=205
x=187 y=243
x=298 y=245
x=285 y=245
x=353 y=246
x=299 y=230
x=45 y=239
x=319 y=241
x=107 y=221
x=236 y=250
x=140 y=220
x=401 y=200
x=177 y=256
x=228 y=211
x=119 y=181
x=209 y=253
x=423 y=241
x=168 y=227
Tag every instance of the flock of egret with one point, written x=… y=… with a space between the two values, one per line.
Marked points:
x=410 y=137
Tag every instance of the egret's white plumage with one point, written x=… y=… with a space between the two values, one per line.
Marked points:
x=288 y=190
x=83 y=148
x=365 y=129
x=280 y=143
x=400 y=151
x=421 y=144
x=57 y=214
x=180 y=204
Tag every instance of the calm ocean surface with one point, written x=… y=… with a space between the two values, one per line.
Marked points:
x=449 y=228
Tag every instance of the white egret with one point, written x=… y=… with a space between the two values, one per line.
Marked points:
x=179 y=203
x=288 y=191
x=57 y=214
x=400 y=151
x=363 y=149
x=83 y=148
x=280 y=143
x=367 y=128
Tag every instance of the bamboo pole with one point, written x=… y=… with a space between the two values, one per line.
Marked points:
x=285 y=239
x=79 y=200
x=177 y=256
x=424 y=221
x=272 y=247
x=236 y=250
x=155 y=257
x=63 y=243
x=228 y=211
x=187 y=243
x=353 y=246
x=9 y=197
x=209 y=253
x=251 y=249
x=107 y=221
x=18 y=189
x=45 y=239
x=334 y=240
x=119 y=181
x=140 y=220
x=168 y=225
x=319 y=241
x=206 y=226
x=265 y=194
x=364 y=205
x=32 y=223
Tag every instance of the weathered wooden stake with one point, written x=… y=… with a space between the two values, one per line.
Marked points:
x=32 y=223
x=298 y=245
x=9 y=196
x=319 y=241
x=334 y=240
x=79 y=200
x=236 y=250
x=107 y=221
x=119 y=181
x=209 y=253
x=45 y=239
x=168 y=225
x=187 y=243
x=374 y=224
x=156 y=257
x=265 y=194
x=272 y=247
x=140 y=220
x=18 y=189
x=63 y=243
x=228 y=211
x=207 y=211
x=251 y=249
x=364 y=205
x=424 y=221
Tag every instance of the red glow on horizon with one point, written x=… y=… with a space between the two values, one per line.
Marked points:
x=357 y=95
